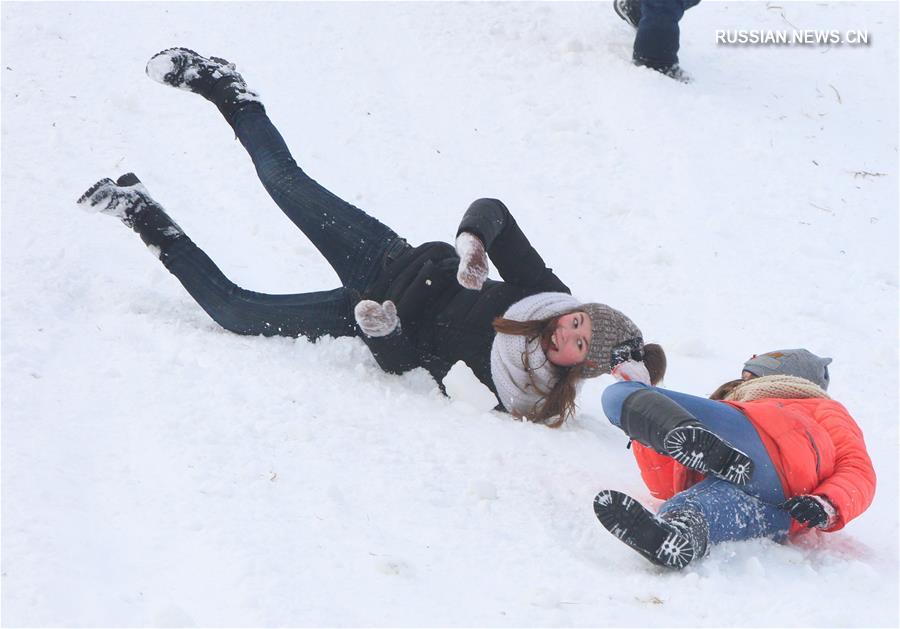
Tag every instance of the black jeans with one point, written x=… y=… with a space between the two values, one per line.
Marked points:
x=356 y=245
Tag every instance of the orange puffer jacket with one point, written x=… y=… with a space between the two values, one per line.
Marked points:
x=816 y=448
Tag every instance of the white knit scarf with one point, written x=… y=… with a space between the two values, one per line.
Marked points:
x=516 y=386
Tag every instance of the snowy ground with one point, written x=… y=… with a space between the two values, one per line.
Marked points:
x=157 y=470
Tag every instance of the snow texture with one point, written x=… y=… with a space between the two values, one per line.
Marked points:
x=161 y=65
x=160 y=471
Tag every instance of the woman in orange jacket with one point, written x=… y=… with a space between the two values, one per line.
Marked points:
x=773 y=456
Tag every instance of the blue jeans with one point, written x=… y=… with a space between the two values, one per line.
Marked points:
x=734 y=512
x=355 y=245
x=657 y=40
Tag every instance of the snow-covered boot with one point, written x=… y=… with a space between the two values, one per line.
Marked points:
x=215 y=79
x=672 y=540
x=678 y=73
x=654 y=420
x=128 y=200
x=672 y=71
x=628 y=10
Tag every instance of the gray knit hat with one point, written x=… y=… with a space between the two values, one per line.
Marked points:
x=609 y=330
x=791 y=362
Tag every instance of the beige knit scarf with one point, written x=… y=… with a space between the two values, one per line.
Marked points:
x=784 y=387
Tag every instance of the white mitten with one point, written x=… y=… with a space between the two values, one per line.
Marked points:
x=632 y=370
x=473 y=261
x=376 y=319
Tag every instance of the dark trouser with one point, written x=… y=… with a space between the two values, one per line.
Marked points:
x=657 y=40
x=353 y=242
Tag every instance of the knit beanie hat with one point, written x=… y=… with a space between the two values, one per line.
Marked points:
x=609 y=329
x=791 y=362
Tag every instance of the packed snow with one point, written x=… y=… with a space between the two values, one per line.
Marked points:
x=160 y=471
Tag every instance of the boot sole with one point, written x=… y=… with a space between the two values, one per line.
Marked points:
x=85 y=200
x=699 y=449
x=627 y=519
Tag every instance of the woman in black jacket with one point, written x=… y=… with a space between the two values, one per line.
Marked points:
x=525 y=338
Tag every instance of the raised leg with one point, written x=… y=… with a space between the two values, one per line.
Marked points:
x=653 y=419
x=353 y=242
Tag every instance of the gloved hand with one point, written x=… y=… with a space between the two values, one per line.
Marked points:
x=376 y=319
x=631 y=370
x=813 y=511
x=473 y=261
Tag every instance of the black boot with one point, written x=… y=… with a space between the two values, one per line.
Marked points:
x=652 y=419
x=128 y=199
x=672 y=540
x=699 y=449
x=215 y=79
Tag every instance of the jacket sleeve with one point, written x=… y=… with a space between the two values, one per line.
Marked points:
x=508 y=248
x=396 y=354
x=851 y=487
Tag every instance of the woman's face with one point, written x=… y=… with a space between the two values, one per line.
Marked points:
x=570 y=341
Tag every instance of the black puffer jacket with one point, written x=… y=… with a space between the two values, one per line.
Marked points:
x=440 y=321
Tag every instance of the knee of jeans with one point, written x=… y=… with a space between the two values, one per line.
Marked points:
x=277 y=170
x=234 y=320
x=614 y=397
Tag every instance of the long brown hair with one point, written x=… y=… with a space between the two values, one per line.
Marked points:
x=559 y=400
x=655 y=361
x=724 y=389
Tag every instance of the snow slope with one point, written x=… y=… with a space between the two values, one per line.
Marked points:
x=157 y=470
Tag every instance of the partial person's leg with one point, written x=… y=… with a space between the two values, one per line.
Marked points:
x=730 y=512
x=353 y=242
x=241 y=311
x=656 y=42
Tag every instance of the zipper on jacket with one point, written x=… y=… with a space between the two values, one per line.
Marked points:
x=815 y=449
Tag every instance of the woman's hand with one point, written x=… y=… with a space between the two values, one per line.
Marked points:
x=633 y=371
x=473 y=261
x=811 y=510
x=376 y=319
